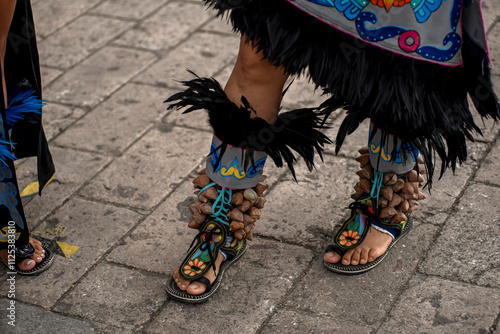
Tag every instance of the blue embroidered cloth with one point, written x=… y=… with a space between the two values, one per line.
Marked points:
x=429 y=30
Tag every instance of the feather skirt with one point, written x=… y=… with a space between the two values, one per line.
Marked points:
x=422 y=103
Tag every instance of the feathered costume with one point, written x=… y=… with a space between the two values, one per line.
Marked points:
x=21 y=132
x=409 y=66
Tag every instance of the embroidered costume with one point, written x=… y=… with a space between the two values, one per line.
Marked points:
x=21 y=132
x=407 y=65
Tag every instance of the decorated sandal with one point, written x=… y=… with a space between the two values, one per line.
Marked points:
x=22 y=254
x=383 y=201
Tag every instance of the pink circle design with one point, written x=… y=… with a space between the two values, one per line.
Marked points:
x=409 y=36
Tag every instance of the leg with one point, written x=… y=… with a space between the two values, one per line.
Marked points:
x=262 y=85
x=388 y=191
x=11 y=209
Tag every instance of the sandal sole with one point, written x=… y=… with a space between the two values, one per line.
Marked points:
x=360 y=269
x=175 y=293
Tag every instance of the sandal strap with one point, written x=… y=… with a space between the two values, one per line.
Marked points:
x=24 y=252
x=205 y=281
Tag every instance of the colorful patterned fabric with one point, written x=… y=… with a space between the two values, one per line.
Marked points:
x=423 y=29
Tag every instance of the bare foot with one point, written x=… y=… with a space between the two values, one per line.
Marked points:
x=197 y=288
x=374 y=245
x=30 y=262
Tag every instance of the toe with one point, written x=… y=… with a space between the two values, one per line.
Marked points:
x=346 y=259
x=331 y=257
x=37 y=244
x=196 y=288
x=26 y=264
x=372 y=255
x=355 y=257
x=364 y=256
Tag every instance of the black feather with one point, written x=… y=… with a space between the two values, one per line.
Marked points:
x=296 y=130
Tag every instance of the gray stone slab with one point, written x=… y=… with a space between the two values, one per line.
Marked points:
x=294 y=321
x=98 y=76
x=33 y=319
x=467 y=248
x=352 y=142
x=489 y=172
x=302 y=94
x=164 y=235
x=251 y=290
x=73 y=168
x=494 y=35
x=491 y=11
x=49 y=74
x=220 y=25
x=167 y=27
x=433 y=305
x=204 y=53
x=307 y=211
x=132 y=9
x=94 y=227
x=146 y=173
x=365 y=297
x=57 y=118
x=78 y=39
x=51 y=15
x=114 y=295
x=118 y=122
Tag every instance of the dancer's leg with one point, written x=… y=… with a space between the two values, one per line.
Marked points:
x=262 y=85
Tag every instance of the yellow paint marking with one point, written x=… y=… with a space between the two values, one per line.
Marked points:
x=67 y=249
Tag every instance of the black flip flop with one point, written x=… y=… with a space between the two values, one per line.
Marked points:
x=175 y=293
x=340 y=268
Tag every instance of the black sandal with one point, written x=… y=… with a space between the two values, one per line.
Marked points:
x=23 y=254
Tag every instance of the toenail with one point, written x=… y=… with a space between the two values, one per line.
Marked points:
x=39 y=258
x=183 y=286
x=345 y=262
x=330 y=254
x=370 y=259
x=195 y=286
x=176 y=280
x=355 y=262
x=29 y=262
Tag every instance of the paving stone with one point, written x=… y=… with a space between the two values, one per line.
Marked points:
x=433 y=305
x=48 y=75
x=292 y=321
x=494 y=35
x=251 y=290
x=489 y=172
x=94 y=227
x=133 y=9
x=33 y=319
x=98 y=76
x=467 y=248
x=78 y=39
x=114 y=295
x=290 y=217
x=302 y=94
x=57 y=118
x=51 y=15
x=167 y=27
x=119 y=121
x=491 y=11
x=164 y=235
x=352 y=142
x=151 y=167
x=366 y=297
x=218 y=25
x=205 y=54
x=73 y=168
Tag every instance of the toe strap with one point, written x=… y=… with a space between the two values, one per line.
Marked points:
x=205 y=281
x=336 y=249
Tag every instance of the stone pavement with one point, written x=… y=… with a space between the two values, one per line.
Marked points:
x=123 y=183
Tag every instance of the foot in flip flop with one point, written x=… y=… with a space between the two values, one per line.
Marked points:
x=374 y=245
x=39 y=260
x=197 y=288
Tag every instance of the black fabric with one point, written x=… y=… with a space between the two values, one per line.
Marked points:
x=419 y=102
x=22 y=71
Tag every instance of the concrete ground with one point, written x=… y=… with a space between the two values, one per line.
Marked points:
x=123 y=183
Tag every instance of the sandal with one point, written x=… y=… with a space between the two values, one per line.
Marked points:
x=25 y=253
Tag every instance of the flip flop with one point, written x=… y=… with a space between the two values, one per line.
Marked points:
x=175 y=293
x=37 y=269
x=340 y=268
